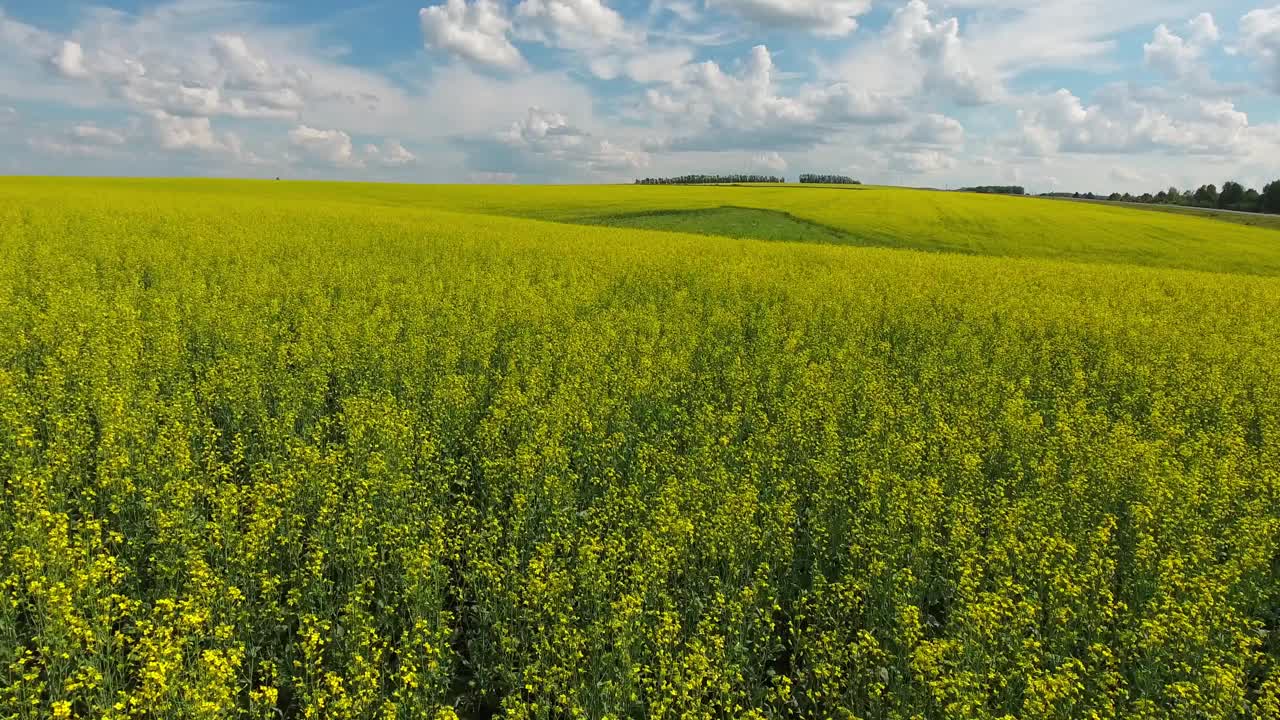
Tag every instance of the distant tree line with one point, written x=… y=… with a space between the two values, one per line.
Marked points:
x=1232 y=196
x=996 y=189
x=711 y=180
x=829 y=179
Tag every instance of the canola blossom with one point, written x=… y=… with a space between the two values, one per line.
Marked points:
x=324 y=451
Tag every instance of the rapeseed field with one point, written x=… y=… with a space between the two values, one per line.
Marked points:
x=323 y=451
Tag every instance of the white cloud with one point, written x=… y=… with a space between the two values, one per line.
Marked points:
x=85 y=140
x=1204 y=30
x=476 y=32
x=174 y=132
x=920 y=56
x=156 y=134
x=1119 y=122
x=822 y=17
x=23 y=44
x=178 y=59
x=1183 y=59
x=88 y=132
x=1260 y=38
x=333 y=147
x=712 y=109
x=573 y=24
x=1126 y=176
x=922 y=162
x=491 y=101
x=940 y=55
x=70 y=60
x=684 y=10
x=209 y=58
x=1170 y=54
x=181 y=75
x=492 y=178
x=770 y=161
x=659 y=65
x=545 y=143
x=391 y=154
x=52 y=146
x=934 y=129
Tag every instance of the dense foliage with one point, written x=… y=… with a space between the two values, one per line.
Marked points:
x=996 y=189
x=284 y=453
x=711 y=180
x=829 y=179
x=1232 y=196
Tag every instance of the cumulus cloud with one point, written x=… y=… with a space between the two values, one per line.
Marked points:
x=1260 y=38
x=572 y=24
x=1126 y=175
x=939 y=56
x=175 y=59
x=1170 y=54
x=185 y=133
x=476 y=32
x=20 y=40
x=212 y=58
x=1119 y=122
x=88 y=132
x=159 y=131
x=332 y=147
x=85 y=140
x=70 y=60
x=544 y=142
x=391 y=154
x=821 y=17
x=771 y=161
x=921 y=162
x=934 y=129
x=1181 y=58
x=1204 y=29
x=924 y=145
x=717 y=110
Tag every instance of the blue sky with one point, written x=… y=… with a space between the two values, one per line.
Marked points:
x=1051 y=94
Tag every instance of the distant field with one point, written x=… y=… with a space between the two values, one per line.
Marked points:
x=1242 y=218
x=886 y=217
x=296 y=450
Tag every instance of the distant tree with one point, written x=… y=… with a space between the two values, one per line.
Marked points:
x=999 y=190
x=1270 y=200
x=1172 y=194
x=1113 y=197
x=1207 y=196
x=1251 y=200
x=1162 y=197
x=711 y=180
x=1232 y=194
x=809 y=178
x=1147 y=198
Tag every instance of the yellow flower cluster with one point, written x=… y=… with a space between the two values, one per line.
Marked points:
x=298 y=456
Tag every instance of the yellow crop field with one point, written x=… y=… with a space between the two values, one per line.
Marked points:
x=365 y=451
